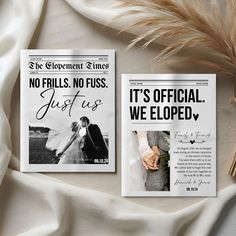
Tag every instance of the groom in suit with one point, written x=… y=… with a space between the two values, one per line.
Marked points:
x=94 y=145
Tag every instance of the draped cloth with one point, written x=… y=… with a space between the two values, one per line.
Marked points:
x=35 y=204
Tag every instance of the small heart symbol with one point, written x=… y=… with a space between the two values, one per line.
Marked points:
x=192 y=141
x=195 y=116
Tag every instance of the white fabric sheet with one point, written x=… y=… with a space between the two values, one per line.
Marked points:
x=35 y=204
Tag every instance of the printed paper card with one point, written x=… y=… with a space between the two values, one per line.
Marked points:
x=68 y=110
x=168 y=135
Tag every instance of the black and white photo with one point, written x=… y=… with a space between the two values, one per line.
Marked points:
x=81 y=143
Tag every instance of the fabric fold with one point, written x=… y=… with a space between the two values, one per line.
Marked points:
x=34 y=204
x=62 y=209
x=18 y=20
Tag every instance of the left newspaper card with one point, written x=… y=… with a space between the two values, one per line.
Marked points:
x=68 y=110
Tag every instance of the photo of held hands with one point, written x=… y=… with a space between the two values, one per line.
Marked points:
x=151 y=158
x=154 y=156
x=151 y=145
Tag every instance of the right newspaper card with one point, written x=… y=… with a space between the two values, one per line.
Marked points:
x=169 y=135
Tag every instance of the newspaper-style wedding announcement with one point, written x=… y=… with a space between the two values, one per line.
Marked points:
x=68 y=110
x=168 y=135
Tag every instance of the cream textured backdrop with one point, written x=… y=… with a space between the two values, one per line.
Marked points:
x=60 y=204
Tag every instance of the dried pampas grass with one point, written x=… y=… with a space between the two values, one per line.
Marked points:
x=207 y=26
x=200 y=24
x=232 y=166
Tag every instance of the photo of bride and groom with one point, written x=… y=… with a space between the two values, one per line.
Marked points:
x=81 y=143
x=148 y=164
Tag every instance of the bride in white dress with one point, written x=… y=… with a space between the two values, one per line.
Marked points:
x=67 y=144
